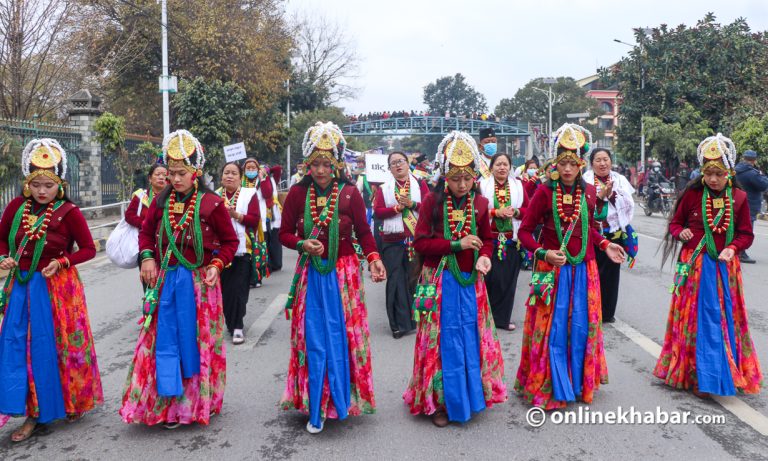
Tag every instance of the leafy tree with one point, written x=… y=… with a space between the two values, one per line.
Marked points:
x=303 y=120
x=110 y=132
x=533 y=106
x=455 y=95
x=719 y=69
x=752 y=134
x=10 y=152
x=213 y=112
x=675 y=142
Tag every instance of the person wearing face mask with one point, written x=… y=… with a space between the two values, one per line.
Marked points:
x=396 y=204
x=48 y=368
x=507 y=201
x=458 y=369
x=707 y=347
x=254 y=177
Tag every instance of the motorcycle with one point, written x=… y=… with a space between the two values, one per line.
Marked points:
x=660 y=198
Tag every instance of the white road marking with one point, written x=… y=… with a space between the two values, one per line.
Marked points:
x=737 y=407
x=261 y=324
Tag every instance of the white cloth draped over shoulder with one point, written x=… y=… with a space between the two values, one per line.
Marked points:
x=516 y=196
x=395 y=224
x=243 y=200
x=619 y=214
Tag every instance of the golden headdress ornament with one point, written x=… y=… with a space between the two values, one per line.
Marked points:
x=44 y=157
x=458 y=153
x=180 y=147
x=324 y=140
x=573 y=138
x=717 y=151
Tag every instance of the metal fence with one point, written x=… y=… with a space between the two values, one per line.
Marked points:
x=23 y=131
x=110 y=174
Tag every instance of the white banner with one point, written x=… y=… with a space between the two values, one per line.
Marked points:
x=234 y=152
x=376 y=168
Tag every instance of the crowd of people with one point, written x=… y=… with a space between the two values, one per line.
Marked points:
x=373 y=116
x=448 y=236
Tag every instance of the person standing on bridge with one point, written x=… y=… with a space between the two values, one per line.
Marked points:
x=48 y=366
x=396 y=203
x=507 y=202
x=329 y=372
x=243 y=208
x=255 y=177
x=562 y=357
x=458 y=369
x=178 y=371
x=615 y=208
x=707 y=346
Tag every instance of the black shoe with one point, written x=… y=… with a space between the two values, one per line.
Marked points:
x=398 y=334
x=610 y=320
x=745 y=259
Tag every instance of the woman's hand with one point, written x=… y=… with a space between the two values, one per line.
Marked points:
x=555 y=257
x=483 y=265
x=506 y=212
x=313 y=246
x=233 y=213
x=607 y=190
x=8 y=264
x=686 y=235
x=149 y=272
x=405 y=201
x=727 y=254
x=471 y=242
x=51 y=269
x=378 y=272
x=616 y=253
x=211 y=275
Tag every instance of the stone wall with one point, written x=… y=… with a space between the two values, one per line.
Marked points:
x=83 y=112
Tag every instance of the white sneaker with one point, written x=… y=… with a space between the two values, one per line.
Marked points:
x=238 y=337
x=315 y=430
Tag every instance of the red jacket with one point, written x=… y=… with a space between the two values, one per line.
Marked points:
x=540 y=212
x=67 y=227
x=688 y=215
x=382 y=211
x=429 y=240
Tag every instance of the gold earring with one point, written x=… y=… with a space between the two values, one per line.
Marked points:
x=702 y=181
x=60 y=193
x=26 y=192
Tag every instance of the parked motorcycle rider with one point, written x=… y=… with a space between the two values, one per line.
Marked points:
x=655 y=177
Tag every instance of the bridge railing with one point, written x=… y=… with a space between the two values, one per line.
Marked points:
x=433 y=126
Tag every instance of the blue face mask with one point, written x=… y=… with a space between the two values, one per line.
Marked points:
x=490 y=149
x=251 y=174
x=531 y=171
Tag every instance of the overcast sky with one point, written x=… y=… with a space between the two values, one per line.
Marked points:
x=499 y=45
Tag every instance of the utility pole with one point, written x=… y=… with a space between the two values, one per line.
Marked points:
x=645 y=32
x=550 y=99
x=288 y=118
x=167 y=82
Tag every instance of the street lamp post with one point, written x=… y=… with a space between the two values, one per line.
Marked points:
x=550 y=100
x=167 y=82
x=288 y=118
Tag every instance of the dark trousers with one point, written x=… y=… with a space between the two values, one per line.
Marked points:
x=501 y=283
x=609 y=281
x=275 y=250
x=234 y=291
x=399 y=287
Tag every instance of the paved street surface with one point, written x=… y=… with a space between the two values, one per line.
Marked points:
x=253 y=427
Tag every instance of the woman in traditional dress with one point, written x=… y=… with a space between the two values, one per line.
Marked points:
x=243 y=207
x=329 y=373
x=396 y=203
x=707 y=346
x=255 y=177
x=178 y=371
x=137 y=208
x=48 y=366
x=507 y=202
x=615 y=207
x=562 y=357
x=458 y=368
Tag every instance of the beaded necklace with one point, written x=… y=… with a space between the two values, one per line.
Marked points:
x=31 y=218
x=328 y=218
x=405 y=191
x=724 y=225
x=455 y=228
x=580 y=212
x=233 y=200
x=32 y=226
x=568 y=199
x=178 y=208
x=173 y=230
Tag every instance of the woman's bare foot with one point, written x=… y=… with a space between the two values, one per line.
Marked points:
x=25 y=431
x=701 y=395
x=440 y=419
x=74 y=417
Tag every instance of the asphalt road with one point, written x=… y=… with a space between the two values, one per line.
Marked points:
x=253 y=427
